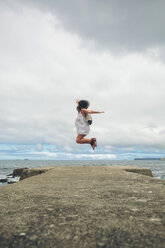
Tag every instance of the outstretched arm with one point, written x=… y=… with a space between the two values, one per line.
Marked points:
x=92 y=111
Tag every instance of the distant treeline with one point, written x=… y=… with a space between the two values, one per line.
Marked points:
x=149 y=159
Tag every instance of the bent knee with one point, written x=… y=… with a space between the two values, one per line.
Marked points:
x=78 y=141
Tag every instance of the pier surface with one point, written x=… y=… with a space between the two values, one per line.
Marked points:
x=88 y=206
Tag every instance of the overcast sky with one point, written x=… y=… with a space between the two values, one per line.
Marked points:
x=109 y=52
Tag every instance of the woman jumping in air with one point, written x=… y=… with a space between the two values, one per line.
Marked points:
x=82 y=123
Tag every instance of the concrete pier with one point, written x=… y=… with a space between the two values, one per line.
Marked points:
x=88 y=206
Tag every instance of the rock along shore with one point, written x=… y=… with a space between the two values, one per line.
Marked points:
x=88 y=206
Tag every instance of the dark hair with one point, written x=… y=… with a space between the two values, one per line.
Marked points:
x=82 y=104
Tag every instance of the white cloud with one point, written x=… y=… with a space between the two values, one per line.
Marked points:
x=90 y=156
x=44 y=68
x=39 y=147
x=95 y=156
x=44 y=154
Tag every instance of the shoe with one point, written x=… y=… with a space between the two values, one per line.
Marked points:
x=93 y=143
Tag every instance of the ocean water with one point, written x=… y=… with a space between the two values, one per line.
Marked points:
x=7 y=166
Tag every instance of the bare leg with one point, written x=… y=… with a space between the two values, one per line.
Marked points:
x=80 y=139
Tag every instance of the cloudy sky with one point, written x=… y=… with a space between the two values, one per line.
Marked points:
x=109 y=52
